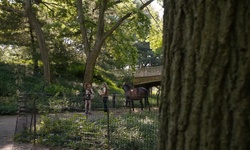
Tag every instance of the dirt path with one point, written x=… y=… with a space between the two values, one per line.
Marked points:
x=7 y=131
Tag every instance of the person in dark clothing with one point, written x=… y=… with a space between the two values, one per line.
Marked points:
x=104 y=94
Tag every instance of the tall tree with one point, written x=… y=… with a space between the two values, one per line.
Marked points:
x=206 y=76
x=101 y=34
x=40 y=37
x=14 y=9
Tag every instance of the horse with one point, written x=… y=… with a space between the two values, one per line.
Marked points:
x=138 y=93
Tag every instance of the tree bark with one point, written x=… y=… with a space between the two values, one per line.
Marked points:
x=83 y=29
x=34 y=52
x=41 y=40
x=206 y=77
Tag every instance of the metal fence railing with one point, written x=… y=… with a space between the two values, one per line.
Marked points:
x=51 y=121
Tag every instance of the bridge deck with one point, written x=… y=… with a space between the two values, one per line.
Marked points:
x=148 y=75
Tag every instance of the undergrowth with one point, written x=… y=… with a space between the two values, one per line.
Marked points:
x=137 y=131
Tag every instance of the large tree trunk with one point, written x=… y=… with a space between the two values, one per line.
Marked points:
x=41 y=40
x=90 y=66
x=206 y=77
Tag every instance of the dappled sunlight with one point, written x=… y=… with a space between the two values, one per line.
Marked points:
x=147 y=120
x=7 y=147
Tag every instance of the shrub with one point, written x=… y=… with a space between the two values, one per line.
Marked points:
x=134 y=131
x=8 y=105
x=128 y=131
x=7 y=80
x=67 y=132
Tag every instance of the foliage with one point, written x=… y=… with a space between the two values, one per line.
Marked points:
x=24 y=137
x=156 y=28
x=102 y=75
x=127 y=131
x=147 y=56
x=7 y=80
x=60 y=25
x=11 y=25
x=76 y=69
x=19 y=50
x=134 y=131
x=66 y=132
x=8 y=105
x=64 y=94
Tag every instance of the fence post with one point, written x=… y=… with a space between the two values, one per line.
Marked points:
x=108 y=131
x=35 y=111
x=113 y=99
x=21 y=121
x=130 y=105
x=158 y=97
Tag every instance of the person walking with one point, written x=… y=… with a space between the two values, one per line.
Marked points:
x=104 y=94
x=89 y=95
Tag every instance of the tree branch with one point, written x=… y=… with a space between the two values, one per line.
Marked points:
x=82 y=27
x=119 y=22
x=41 y=39
x=9 y=9
x=159 y=27
x=100 y=25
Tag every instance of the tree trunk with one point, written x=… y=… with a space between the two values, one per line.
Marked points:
x=206 y=77
x=34 y=52
x=41 y=40
x=90 y=66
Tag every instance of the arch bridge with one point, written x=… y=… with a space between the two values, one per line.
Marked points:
x=148 y=77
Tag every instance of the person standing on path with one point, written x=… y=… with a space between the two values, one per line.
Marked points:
x=104 y=94
x=89 y=95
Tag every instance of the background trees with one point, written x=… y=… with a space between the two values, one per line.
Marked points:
x=147 y=57
x=205 y=87
x=62 y=33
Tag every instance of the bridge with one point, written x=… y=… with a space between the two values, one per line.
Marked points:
x=148 y=77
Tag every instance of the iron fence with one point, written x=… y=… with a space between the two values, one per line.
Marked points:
x=62 y=117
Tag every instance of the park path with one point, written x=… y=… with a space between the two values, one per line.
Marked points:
x=7 y=131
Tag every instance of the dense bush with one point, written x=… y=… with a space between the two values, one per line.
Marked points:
x=74 y=132
x=134 y=131
x=8 y=105
x=7 y=80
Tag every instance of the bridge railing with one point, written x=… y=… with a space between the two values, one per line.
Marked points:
x=141 y=72
x=148 y=71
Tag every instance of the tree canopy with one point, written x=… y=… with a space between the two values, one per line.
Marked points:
x=57 y=32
